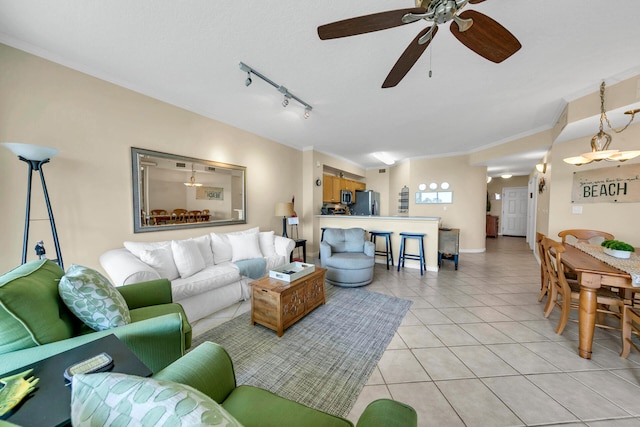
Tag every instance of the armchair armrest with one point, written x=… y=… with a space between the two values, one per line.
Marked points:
x=157 y=342
x=388 y=413
x=369 y=248
x=207 y=368
x=145 y=294
x=325 y=250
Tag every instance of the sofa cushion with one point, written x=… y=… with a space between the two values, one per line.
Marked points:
x=157 y=255
x=267 y=243
x=187 y=257
x=345 y=240
x=161 y=260
x=222 y=250
x=93 y=299
x=32 y=286
x=208 y=279
x=119 y=399
x=244 y=246
x=349 y=261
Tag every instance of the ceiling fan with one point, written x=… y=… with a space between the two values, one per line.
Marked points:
x=475 y=30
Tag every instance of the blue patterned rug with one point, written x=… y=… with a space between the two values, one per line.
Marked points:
x=325 y=359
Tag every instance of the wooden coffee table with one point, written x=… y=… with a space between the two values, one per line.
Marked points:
x=277 y=304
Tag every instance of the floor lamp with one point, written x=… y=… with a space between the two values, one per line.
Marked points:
x=284 y=209
x=35 y=156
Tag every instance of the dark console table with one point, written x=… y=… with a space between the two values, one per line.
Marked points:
x=50 y=403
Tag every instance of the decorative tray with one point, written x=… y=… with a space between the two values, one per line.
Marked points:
x=292 y=271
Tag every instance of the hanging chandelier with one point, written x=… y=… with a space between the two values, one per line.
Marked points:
x=192 y=181
x=600 y=141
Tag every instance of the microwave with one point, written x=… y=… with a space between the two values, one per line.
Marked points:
x=346 y=197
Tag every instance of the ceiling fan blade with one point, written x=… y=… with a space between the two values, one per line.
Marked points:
x=475 y=1
x=486 y=37
x=365 y=24
x=408 y=58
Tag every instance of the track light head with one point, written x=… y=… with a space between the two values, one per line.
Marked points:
x=307 y=112
x=285 y=101
x=248 y=81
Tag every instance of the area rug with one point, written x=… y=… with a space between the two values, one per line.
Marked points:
x=325 y=359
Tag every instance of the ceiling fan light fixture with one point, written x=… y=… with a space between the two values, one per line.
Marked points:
x=506 y=176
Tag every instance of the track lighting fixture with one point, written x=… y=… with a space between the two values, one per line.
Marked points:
x=283 y=90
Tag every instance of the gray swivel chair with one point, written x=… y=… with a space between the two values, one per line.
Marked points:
x=347 y=256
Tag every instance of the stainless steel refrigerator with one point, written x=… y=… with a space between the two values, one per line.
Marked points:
x=367 y=203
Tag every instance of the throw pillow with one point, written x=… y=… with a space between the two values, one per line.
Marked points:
x=244 y=246
x=221 y=246
x=187 y=257
x=93 y=299
x=267 y=243
x=31 y=312
x=118 y=399
x=204 y=244
x=161 y=260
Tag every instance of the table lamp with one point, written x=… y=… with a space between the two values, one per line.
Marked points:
x=284 y=209
x=35 y=156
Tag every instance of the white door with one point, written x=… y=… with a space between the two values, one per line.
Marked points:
x=514 y=211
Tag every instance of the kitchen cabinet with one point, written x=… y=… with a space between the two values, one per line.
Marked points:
x=331 y=189
x=333 y=184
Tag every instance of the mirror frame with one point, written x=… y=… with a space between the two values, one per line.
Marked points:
x=136 y=154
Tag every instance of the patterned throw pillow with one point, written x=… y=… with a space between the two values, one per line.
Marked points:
x=94 y=300
x=105 y=399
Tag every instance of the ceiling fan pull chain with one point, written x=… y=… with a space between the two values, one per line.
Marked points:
x=430 y=50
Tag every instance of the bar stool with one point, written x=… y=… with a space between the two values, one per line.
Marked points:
x=388 y=252
x=418 y=257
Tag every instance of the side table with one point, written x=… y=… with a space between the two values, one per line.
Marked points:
x=50 y=403
x=300 y=243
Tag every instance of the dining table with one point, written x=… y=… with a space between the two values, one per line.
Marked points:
x=592 y=274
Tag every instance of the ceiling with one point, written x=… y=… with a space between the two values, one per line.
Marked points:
x=186 y=53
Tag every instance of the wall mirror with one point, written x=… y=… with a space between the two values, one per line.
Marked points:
x=174 y=192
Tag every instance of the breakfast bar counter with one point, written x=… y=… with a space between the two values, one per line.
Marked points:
x=396 y=224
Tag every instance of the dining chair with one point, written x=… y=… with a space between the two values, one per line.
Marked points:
x=630 y=324
x=585 y=236
x=544 y=280
x=565 y=293
x=158 y=212
x=194 y=216
x=179 y=215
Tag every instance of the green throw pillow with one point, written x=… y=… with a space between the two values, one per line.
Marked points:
x=31 y=312
x=107 y=399
x=91 y=297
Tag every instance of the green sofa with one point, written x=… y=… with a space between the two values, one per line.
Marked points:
x=209 y=369
x=36 y=324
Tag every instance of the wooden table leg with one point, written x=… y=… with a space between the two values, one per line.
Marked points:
x=589 y=283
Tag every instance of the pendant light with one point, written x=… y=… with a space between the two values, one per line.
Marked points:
x=601 y=141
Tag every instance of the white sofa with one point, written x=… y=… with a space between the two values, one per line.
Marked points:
x=204 y=271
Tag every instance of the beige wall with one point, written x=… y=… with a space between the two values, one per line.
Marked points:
x=468 y=184
x=620 y=219
x=94 y=123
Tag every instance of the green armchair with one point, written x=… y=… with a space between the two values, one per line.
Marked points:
x=209 y=369
x=36 y=324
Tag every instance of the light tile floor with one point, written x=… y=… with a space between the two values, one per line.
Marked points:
x=476 y=350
